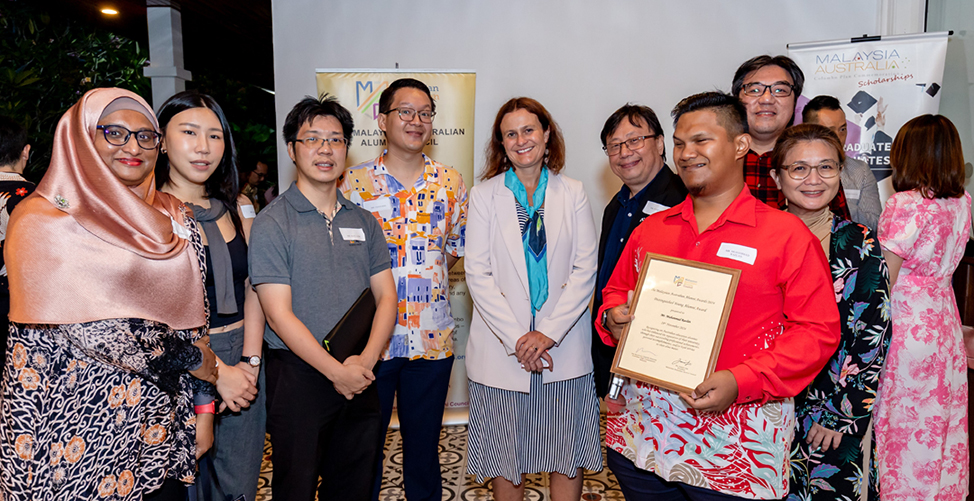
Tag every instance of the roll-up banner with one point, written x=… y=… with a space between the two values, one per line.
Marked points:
x=881 y=82
x=452 y=143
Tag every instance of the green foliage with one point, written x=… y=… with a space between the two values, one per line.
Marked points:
x=48 y=62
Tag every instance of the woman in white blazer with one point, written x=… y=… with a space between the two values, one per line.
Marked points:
x=530 y=262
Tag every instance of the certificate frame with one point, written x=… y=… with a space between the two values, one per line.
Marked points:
x=636 y=357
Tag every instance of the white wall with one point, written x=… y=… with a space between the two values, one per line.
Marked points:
x=581 y=59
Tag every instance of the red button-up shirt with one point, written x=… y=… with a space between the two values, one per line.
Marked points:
x=757 y=175
x=782 y=329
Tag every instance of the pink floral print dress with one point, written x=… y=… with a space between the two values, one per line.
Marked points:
x=921 y=416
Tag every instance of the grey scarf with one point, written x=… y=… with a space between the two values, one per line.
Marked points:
x=226 y=301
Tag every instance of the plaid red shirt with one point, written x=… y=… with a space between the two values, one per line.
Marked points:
x=757 y=175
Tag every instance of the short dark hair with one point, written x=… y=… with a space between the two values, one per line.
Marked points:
x=801 y=133
x=497 y=161
x=927 y=156
x=13 y=139
x=819 y=103
x=756 y=63
x=632 y=112
x=389 y=94
x=731 y=114
x=223 y=184
x=310 y=108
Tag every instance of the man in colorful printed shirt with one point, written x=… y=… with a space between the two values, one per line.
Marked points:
x=769 y=87
x=421 y=205
x=729 y=438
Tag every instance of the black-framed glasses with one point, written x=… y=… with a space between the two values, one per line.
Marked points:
x=407 y=114
x=778 y=89
x=116 y=135
x=800 y=170
x=318 y=142
x=633 y=143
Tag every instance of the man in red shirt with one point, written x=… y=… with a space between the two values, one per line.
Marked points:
x=768 y=87
x=729 y=438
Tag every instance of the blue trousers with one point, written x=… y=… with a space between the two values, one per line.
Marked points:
x=422 y=386
x=638 y=484
x=238 y=437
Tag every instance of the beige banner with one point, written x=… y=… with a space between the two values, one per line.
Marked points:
x=452 y=143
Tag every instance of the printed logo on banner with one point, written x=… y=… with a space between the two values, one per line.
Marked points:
x=881 y=83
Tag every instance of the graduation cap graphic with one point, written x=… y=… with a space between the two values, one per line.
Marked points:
x=861 y=102
x=870 y=123
x=933 y=89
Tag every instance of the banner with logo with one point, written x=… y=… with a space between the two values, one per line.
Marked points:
x=881 y=82
x=452 y=143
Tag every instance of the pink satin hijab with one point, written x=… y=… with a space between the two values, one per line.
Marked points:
x=85 y=247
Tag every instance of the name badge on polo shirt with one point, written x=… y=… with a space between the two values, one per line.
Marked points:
x=353 y=234
x=852 y=194
x=653 y=207
x=737 y=253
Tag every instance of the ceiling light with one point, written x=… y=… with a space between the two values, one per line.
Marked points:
x=109 y=12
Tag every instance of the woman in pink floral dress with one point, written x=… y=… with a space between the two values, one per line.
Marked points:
x=921 y=417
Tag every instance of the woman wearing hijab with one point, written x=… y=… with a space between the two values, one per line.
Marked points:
x=530 y=264
x=834 y=413
x=198 y=166
x=107 y=317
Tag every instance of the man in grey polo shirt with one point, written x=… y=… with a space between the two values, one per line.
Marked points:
x=312 y=253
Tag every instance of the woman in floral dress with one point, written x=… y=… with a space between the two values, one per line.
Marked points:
x=921 y=417
x=107 y=315
x=834 y=413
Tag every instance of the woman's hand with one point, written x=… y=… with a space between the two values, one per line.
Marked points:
x=531 y=349
x=207 y=370
x=820 y=437
x=204 y=433
x=236 y=387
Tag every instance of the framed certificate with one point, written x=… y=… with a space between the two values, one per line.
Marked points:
x=681 y=309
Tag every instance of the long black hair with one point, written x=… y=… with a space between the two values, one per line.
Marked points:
x=223 y=185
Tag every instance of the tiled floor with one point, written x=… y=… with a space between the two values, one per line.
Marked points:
x=457 y=485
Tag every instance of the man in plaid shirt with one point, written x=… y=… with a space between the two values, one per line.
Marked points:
x=768 y=87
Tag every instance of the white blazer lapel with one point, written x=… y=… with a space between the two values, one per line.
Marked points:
x=504 y=207
x=554 y=211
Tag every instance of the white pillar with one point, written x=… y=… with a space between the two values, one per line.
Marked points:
x=165 y=51
x=902 y=17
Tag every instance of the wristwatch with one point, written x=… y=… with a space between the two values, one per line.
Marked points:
x=253 y=360
x=605 y=319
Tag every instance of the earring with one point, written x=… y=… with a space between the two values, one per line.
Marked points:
x=546 y=156
x=163 y=150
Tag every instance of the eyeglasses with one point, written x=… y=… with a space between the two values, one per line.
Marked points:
x=800 y=170
x=407 y=114
x=633 y=143
x=778 y=89
x=317 y=142
x=117 y=135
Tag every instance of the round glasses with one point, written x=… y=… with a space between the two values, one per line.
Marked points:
x=633 y=143
x=407 y=114
x=778 y=89
x=800 y=170
x=116 y=135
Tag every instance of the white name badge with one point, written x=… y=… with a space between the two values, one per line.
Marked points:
x=737 y=253
x=353 y=234
x=248 y=211
x=377 y=205
x=852 y=194
x=653 y=207
x=180 y=230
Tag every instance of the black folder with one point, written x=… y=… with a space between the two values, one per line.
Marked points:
x=351 y=334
